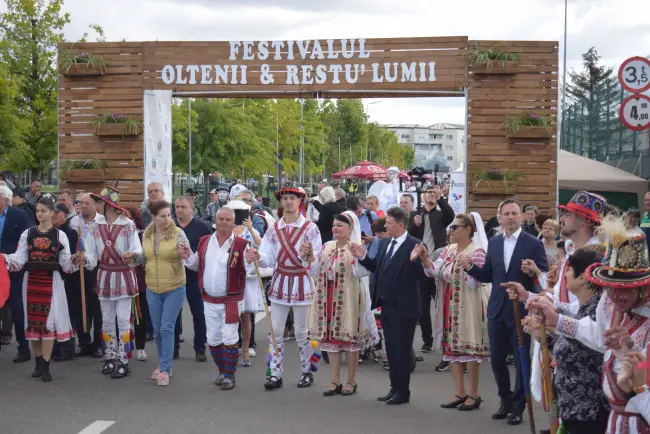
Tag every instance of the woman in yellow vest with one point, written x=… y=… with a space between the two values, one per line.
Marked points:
x=165 y=246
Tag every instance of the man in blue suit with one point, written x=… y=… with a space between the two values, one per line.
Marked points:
x=13 y=222
x=503 y=264
x=395 y=290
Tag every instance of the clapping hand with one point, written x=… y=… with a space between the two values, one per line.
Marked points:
x=630 y=376
x=252 y=255
x=417 y=220
x=358 y=250
x=465 y=262
x=515 y=291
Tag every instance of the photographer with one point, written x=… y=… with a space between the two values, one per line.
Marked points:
x=429 y=224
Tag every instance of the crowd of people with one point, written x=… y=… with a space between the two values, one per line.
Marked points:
x=328 y=265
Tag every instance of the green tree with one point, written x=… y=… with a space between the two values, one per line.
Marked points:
x=31 y=30
x=13 y=149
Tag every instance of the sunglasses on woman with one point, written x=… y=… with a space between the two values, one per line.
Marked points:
x=454 y=227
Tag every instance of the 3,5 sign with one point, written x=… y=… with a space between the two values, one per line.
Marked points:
x=634 y=74
x=635 y=112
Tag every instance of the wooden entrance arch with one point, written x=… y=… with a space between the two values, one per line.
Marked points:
x=422 y=67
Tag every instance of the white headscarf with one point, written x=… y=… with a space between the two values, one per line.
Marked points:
x=355 y=236
x=479 y=238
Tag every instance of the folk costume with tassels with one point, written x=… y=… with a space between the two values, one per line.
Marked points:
x=625 y=267
x=116 y=284
x=222 y=280
x=291 y=288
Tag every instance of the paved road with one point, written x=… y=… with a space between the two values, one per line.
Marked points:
x=80 y=396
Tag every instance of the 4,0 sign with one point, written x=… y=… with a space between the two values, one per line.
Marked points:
x=635 y=112
x=634 y=74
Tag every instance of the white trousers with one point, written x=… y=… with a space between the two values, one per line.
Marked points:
x=215 y=322
x=279 y=314
x=116 y=341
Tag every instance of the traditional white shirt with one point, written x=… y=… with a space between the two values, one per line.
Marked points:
x=281 y=291
x=215 y=271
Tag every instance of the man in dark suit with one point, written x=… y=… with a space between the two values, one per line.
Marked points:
x=13 y=222
x=395 y=290
x=503 y=263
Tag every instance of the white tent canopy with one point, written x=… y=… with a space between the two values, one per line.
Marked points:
x=579 y=173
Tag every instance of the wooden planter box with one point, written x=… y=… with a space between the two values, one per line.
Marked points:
x=494 y=188
x=85 y=176
x=496 y=68
x=112 y=130
x=83 y=70
x=531 y=133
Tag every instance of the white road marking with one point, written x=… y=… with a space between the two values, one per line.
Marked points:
x=97 y=427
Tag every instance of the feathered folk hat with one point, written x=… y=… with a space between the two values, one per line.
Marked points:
x=109 y=196
x=587 y=205
x=626 y=263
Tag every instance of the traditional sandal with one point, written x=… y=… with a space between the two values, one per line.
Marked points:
x=346 y=392
x=219 y=380
x=121 y=370
x=228 y=383
x=336 y=391
x=273 y=383
x=108 y=368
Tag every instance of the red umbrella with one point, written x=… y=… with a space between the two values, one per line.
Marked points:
x=366 y=170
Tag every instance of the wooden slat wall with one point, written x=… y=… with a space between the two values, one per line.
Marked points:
x=82 y=99
x=136 y=66
x=494 y=97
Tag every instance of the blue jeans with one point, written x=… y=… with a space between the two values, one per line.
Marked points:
x=164 y=309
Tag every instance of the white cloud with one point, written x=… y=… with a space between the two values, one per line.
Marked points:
x=617 y=28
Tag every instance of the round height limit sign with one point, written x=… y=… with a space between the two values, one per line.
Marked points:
x=635 y=112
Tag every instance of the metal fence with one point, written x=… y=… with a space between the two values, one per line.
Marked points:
x=592 y=127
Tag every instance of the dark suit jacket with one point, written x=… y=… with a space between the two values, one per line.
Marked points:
x=16 y=222
x=494 y=271
x=397 y=283
x=439 y=219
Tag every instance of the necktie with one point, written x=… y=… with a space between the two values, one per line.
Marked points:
x=389 y=255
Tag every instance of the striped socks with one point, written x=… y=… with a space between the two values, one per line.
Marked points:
x=218 y=356
x=230 y=359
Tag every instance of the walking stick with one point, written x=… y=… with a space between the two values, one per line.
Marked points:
x=80 y=248
x=266 y=307
x=546 y=372
x=523 y=364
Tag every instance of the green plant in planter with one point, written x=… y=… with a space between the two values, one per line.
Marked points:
x=527 y=119
x=504 y=176
x=83 y=165
x=131 y=127
x=487 y=58
x=67 y=59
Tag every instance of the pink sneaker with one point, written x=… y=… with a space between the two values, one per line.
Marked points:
x=163 y=379
x=155 y=374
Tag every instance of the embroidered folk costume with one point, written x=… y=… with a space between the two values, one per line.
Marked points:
x=291 y=288
x=116 y=283
x=337 y=318
x=625 y=273
x=222 y=280
x=464 y=338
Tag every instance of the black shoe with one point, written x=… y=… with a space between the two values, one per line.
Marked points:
x=38 y=369
x=200 y=356
x=273 y=383
x=502 y=412
x=399 y=398
x=306 y=380
x=98 y=353
x=456 y=403
x=85 y=352
x=109 y=366
x=473 y=406
x=425 y=348
x=325 y=357
x=46 y=377
x=67 y=353
x=23 y=356
x=181 y=338
x=121 y=370
x=338 y=388
x=442 y=366
x=387 y=397
x=514 y=419
x=176 y=355
x=149 y=337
